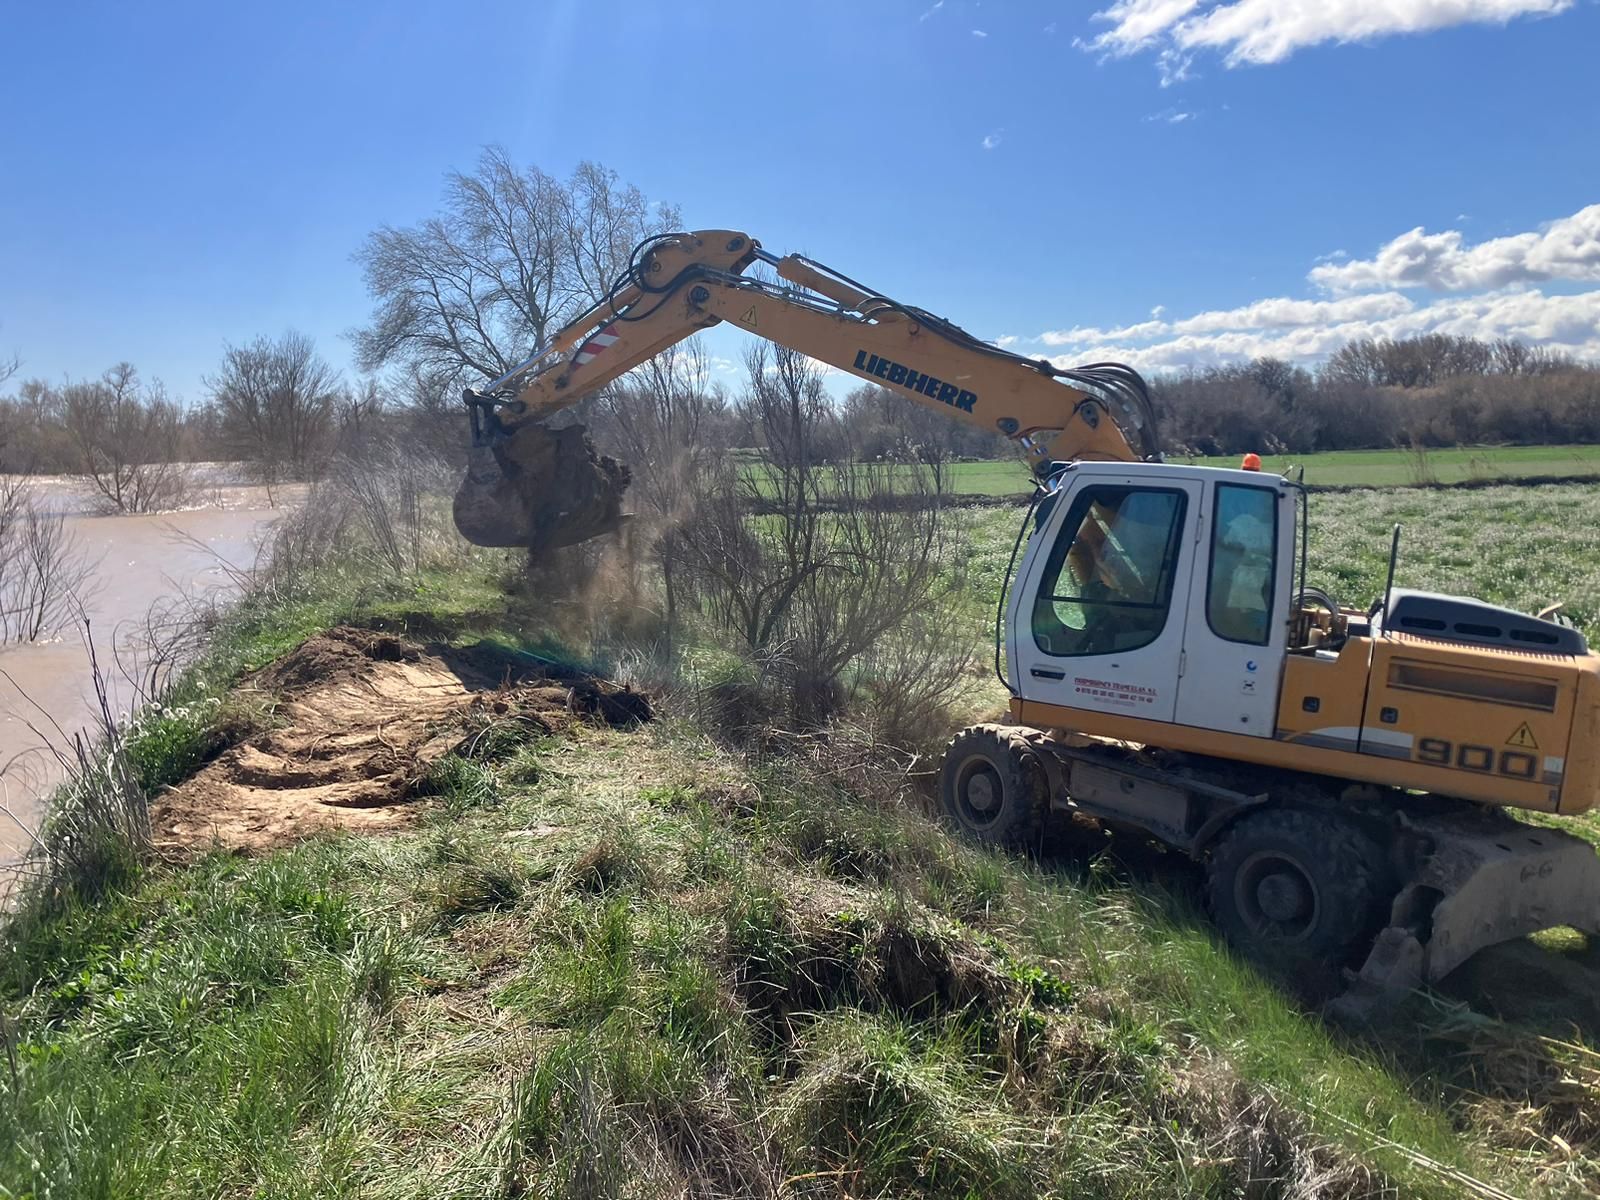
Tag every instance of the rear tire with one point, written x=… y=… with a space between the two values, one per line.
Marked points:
x=990 y=788
x=1299 y=891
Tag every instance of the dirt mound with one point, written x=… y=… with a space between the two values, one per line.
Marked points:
x=362 y=716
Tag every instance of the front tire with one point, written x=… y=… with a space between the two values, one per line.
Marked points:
x=990 y=787
x=1298 y=891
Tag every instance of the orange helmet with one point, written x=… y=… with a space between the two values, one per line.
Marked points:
x=1251 y=462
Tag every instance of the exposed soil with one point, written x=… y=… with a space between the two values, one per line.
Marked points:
x=362 y=716
x=539 y=489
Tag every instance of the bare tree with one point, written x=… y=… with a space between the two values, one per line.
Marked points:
x=666 y=417
x=513 y=255
x=125 y=436
x=838 y=556
x=276 y=402
x=42 y=571
x=667 y=420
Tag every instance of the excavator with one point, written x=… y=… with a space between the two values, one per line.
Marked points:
x=1344 y=776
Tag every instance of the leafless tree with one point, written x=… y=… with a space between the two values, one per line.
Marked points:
x=276 y=403
x=839 y=556
x=42 y=570
x=125 y=435
x=513 y=254
x=667 y=420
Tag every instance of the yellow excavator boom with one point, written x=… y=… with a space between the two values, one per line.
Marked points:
x=530 y=486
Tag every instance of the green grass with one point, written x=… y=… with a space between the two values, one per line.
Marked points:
x=1343 y=468
x=642 y=964
x=765 y=982
x=1523 y=546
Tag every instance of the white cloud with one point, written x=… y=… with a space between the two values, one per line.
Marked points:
x=1276 y=313
x=1565 y=249
x=1005 y=340
x=938 y=4
x=1050 y=28
x=979 y=33
x=1569 y=323
x=1488 y=291
x=1171 y=116
x=1268 y=31
x=991 y=140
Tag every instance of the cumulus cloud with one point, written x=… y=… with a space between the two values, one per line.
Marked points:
x=1488 y=290
x=1562 y=322
x=1565 y=249
x=990 y=140
x=1569 y=323
x=1269 y=31
x=1276 y=313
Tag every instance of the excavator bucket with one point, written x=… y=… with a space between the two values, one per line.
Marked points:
x=539 y=488
x=1484 y=879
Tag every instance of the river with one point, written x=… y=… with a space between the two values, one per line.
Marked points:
x=137 y=563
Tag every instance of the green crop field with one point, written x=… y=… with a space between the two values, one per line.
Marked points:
x=1521 y=546
x=1335 y=469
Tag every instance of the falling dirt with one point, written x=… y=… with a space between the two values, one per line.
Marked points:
x=539 y=489
x=360 y=717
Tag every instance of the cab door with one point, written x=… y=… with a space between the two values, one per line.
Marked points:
x=1238 y=609
x=1093 y=625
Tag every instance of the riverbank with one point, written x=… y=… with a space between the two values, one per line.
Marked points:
x=142 y=569
x=597 y=960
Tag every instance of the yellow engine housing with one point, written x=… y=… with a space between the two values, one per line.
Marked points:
x=1497 y=726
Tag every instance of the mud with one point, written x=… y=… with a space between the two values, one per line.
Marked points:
x=539 y=489
x=359 y=718
x=138 y=562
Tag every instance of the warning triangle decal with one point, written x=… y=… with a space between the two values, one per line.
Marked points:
x=1523 y=738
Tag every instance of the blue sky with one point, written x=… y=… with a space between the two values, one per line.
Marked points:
x=177 y=176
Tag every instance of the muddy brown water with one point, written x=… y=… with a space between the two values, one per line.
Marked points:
x=46 y=690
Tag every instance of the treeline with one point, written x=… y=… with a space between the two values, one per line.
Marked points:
x=1435 y=390
x=274 y=406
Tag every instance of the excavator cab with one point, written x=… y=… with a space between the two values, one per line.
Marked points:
x=1160 y=593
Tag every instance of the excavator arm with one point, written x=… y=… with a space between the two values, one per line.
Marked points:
x=529 y=485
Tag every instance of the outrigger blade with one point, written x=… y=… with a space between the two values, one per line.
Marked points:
x=1485 y=879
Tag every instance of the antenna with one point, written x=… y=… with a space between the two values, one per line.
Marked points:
x=1388 y=588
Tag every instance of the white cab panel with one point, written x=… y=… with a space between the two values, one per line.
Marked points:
x=1096 y=618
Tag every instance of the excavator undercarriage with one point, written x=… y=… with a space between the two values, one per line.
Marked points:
x=1438 y=879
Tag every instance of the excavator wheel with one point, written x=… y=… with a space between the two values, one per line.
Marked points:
x=991 y=788
x=1300 y=892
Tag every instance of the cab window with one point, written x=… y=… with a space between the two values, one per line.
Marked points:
x=1107 y=585
x=1244 y=559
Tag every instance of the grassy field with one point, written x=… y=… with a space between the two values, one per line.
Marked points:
x=1521 y=546
x=1346 y=468
x=642 y=963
